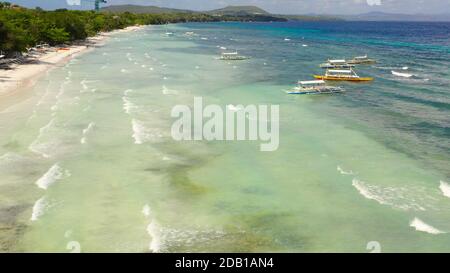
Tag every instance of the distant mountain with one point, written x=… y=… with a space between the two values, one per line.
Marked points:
x=143 y=9
x=382 y=16
x=239 y=10
x=244 y=13
x=229 y=10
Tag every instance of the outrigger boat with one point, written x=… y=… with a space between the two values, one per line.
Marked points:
x=342 y=75
x=232 y=56
x=336 y=64
x=362 y=60
x=314 y=88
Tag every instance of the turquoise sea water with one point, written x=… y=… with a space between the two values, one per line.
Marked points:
x=87 y=161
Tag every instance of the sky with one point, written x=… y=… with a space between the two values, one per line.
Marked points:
x=273 y=6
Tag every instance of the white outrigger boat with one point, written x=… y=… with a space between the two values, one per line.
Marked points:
x=336 y=64
x=232 y=56
x=362 y=60
x=314 y=88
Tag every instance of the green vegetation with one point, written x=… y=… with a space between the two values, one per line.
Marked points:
x=21 y=28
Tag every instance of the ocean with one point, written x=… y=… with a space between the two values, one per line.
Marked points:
x=88 y=164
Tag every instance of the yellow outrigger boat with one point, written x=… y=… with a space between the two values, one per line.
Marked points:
x=342 y=75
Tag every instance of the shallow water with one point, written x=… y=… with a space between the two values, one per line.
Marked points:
x=88 y=164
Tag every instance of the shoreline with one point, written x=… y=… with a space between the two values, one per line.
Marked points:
x=25 y=75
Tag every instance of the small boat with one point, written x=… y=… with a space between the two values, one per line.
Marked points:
x=342 y=75
x=362 y=60
x=232 y=56
x=169 y=33
x=314 y=88
x=336 y=64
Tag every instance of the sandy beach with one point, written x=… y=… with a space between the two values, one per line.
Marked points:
x=25 y=74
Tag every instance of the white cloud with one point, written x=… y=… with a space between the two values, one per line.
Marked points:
x=374 y=2
x=73 y=2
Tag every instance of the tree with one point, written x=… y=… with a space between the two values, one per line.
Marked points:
x=56 y=36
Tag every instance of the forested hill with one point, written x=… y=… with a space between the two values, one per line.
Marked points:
x=239 y=13
x=229 y=10
x=230 y=13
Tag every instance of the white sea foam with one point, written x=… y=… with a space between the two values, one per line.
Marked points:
x=36 y=146
x=445 y=188
x=400 y=74
x=419 y=225
x=128 y=106
x=86 y=131
x=154 y=230
x=39 y=208
x=88 y=128
x=146 y=210
x=404 y=198
x=392 y=67
x=141 y=134
x=54 y=174
x=163 y=238
x=342 y=171
x=123 y=70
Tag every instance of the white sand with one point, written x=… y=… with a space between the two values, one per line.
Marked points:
x=25 y=74
x=20 y=75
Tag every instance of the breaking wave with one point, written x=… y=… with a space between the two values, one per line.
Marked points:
x=86 y=131
x=141 y=134
x=39 y=208
x=404 y=198
x=445 y=188
x=54 y=174
x=419 y=225
x=37 y=146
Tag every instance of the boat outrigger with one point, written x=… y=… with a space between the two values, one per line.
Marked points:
x=342 y=75
x=314 y=88
x=336 y=64
x=362 y=60
x=232 y=56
